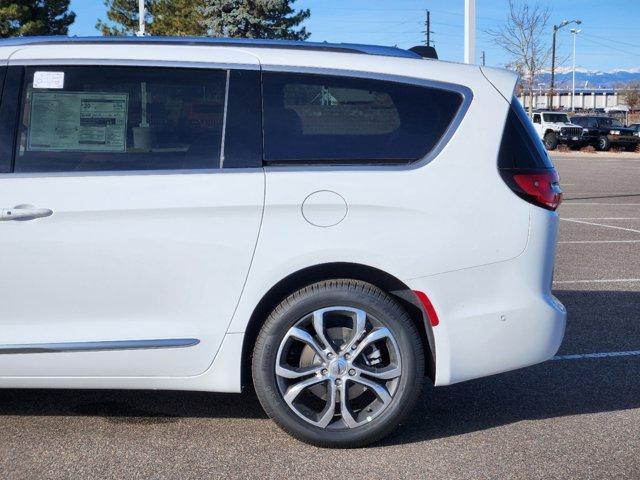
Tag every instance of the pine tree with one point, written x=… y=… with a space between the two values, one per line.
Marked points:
x=122 y=17
x=163 y=17
x=255 y=19
x=35 y=17
x=177 y=17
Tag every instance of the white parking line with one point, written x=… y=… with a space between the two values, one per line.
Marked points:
x=609 y=280
x=601 y=225
x=601 y=218
x=576 y=202
x=600 y=241
x=580 y=356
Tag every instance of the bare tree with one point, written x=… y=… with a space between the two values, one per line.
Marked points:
x=523 y=38
x=631 y=95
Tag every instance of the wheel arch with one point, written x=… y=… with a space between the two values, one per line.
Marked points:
x=328 y=271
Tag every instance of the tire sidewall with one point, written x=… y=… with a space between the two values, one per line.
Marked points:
x=603 y=144
x=284 y=318
x=550 y=141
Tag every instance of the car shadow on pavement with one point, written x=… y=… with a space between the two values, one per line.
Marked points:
x=598 y=321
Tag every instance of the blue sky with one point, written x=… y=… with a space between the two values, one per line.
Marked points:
x=610 y=37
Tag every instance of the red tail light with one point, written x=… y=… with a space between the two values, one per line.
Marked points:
x=542 y=188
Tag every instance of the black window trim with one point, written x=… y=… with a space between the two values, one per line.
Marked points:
x=465 y=92
x=16 y=102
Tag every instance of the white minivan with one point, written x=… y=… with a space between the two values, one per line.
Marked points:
x=328 y=222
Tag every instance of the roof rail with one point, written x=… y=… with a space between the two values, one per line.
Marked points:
x=218 y=41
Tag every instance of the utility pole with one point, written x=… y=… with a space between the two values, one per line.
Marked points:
x=427 y=25
x=469 y=31
x=564 y=23
x=483 y=59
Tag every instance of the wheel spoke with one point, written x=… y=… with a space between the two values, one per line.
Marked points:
x=345 y=413
x=318 y=326
x=305 y=337
x=372 y=337
x=387 y=373
x=326 y=416
x=359 y=323
x=286 y=371
x=380 y=391
x=297 y=388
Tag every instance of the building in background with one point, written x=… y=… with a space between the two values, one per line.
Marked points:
x=589 y=98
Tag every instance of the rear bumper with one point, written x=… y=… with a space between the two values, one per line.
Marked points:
x=501 y=316
x=623 y=139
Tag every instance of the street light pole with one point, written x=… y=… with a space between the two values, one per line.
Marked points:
x=141 y=24
x=575 y=33
x=564 y=23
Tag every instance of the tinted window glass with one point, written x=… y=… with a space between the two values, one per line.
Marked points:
x=7 y=123
x=316 y=118
x=578 y=121
x=120 y=118
x=609 y=122
x=521 y=146
x=556 y=117
x=243 y=128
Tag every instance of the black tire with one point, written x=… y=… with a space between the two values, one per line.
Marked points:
x=604 y=145
x=550 y=141
x=344 y=293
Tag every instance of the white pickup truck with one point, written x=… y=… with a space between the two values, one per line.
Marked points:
x=555 y=128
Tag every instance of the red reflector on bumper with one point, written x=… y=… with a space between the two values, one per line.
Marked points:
x=428 y=307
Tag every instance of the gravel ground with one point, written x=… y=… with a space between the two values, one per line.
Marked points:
x=567 y=418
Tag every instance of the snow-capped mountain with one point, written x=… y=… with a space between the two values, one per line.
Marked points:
x=592 y=78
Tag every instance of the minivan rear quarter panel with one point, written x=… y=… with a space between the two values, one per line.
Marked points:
x=452 y=213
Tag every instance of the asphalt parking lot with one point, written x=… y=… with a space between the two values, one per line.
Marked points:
x=577 y=416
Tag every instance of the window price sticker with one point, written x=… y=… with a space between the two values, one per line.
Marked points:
x=50 y=80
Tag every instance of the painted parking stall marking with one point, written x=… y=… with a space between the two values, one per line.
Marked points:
x=581 y=356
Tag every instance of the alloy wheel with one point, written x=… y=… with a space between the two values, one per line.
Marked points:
x=338 y=368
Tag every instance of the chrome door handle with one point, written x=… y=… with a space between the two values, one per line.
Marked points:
x=24 y=212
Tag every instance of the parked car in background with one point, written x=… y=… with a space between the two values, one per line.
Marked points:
x=202 y=214
x=636 y=129
x=555 y=128
x=604 y=132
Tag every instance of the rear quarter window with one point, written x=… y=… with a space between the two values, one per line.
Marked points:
x=521 y=147
x=343 y=120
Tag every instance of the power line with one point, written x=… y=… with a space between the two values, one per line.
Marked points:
x=610 y=46
x=635 y=45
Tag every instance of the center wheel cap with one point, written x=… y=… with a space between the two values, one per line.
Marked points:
x=338 y=367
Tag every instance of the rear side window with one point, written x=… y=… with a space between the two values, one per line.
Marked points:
x=521 y=146
x=329 y=119
x=103 y=118
x=7 y=122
